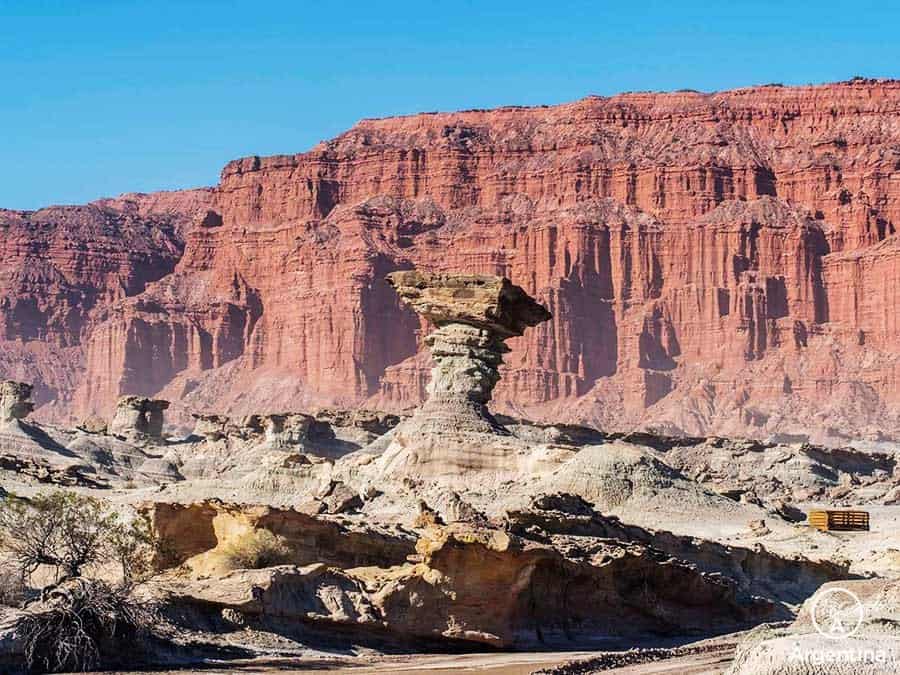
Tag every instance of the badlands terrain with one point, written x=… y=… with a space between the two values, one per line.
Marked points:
x=453 y=530
x=529 y=389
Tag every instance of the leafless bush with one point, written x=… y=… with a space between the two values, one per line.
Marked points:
x=256 y=549
x=79 y=623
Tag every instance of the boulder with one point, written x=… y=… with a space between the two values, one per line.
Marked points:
x=211 y=427
x=93 y=425
x=487 y=302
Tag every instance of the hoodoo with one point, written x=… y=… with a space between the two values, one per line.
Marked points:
x=139 y=415
x=473 y=315
x=15 y=401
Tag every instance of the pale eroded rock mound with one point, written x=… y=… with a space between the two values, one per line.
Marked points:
x=15 y=401
x=137 y=415
x=846 y=628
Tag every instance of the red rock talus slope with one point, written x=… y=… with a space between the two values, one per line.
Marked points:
x=721 y=263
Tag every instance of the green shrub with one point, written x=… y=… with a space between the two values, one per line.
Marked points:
x=78 y=623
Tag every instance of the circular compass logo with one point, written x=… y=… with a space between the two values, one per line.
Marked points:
x=836 y=613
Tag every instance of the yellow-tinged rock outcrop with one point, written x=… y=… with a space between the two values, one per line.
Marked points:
x=475 y=583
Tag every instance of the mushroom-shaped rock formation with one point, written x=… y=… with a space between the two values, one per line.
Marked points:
x=287 y=428
x=15 y=401
x=473 y=314
x=211 y=427
x=453 y=432
x=139 y=415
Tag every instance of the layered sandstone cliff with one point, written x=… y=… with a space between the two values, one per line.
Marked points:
x=714 y=263
x=61 y=267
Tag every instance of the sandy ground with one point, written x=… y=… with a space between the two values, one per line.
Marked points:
x=713 y=661
x=496 y=664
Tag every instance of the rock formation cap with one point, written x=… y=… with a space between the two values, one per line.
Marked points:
x=485 y=301
x=142 y=402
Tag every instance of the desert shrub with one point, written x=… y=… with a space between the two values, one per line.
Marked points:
x=256 y=549
x=73 y=534
x=78 y=623
x=81 y=624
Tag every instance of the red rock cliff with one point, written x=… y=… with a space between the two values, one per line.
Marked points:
x=715 y=263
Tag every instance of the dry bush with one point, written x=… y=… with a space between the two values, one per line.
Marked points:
x=74 y=535
x=82 y=624
x=78 y=623
x=256 y=549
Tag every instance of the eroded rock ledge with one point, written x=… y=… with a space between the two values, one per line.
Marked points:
x=556 y=574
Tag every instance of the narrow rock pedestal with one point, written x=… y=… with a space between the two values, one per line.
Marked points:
x=473 y=316
x=467 y=361
x=453 y=431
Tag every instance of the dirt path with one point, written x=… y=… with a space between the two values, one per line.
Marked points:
x=712 y=659
x=450 y=664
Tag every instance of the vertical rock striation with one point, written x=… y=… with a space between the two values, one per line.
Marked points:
x=715 y=264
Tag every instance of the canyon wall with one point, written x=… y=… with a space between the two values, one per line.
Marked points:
x=715 y=263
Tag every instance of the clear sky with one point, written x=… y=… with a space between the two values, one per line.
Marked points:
x=99 y=98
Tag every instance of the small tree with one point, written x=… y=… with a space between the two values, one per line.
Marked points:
x=80 y=621
x=73 y=534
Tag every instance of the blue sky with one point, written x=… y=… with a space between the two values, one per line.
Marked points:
x=100 y=98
